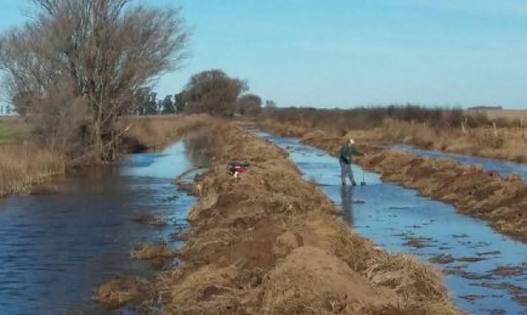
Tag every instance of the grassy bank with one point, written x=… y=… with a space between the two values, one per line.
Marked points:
x=23 y=165
x=13 y=130
x=474 y=191
x=272 y=243
x=156 y=132
x=472 y=133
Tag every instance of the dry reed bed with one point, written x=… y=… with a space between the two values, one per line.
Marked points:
x=500 y=143
x=22 y=166
x=156 y=132
x=271 y=243
x=473 y=191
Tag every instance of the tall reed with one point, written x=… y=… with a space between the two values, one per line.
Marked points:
x=22 y=165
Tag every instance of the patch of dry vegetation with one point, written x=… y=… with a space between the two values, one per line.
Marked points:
x=501 y=143
x=149 y=219
x=156 y=132
x=271 y=243
x=24 y=165
x=473 y=133
x=482 y=194
x=147 y=252
x=13 y=130
x=121 y=291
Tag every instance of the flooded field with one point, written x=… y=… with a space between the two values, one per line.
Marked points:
x=486 y=272
x=57 y=247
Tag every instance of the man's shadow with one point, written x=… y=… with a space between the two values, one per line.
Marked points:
x=346 y=193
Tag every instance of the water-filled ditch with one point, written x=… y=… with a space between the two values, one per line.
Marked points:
x=486 y=272
x=56 y=248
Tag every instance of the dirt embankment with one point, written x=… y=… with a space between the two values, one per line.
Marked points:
x=482 y=194
x=473 y=191
x=272 y=243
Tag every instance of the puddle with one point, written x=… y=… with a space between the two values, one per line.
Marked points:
x=56 y=248
x=504 y=168
x=400 y=220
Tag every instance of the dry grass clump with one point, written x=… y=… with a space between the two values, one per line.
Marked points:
x=310 y=281
x=24 y=165
x=206 y=290
x=155 y=132
x=149 y=219
x=405 y=274
x=269 y=242
x=118 y=292
x=147 y=252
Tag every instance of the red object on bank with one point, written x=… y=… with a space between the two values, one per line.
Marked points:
x=237 y=168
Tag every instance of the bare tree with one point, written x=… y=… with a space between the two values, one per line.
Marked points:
x=250 y=105
x=212 y=92
x=89 y=58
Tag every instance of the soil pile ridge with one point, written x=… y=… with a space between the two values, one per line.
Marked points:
x=271 y=243
x=500 y=201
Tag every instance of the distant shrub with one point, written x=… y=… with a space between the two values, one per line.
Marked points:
x=212 y=92
x=249 y=105
x=341 y=120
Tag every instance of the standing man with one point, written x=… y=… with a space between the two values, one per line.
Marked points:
x=346 y=155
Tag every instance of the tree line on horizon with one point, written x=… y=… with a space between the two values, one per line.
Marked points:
x=211 y=91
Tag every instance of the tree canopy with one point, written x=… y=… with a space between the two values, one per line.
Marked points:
x=213 y=92
x=79 y=65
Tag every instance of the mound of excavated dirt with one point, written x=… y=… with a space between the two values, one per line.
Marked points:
x=310 y=281
x=270 y=242
x=485 y=195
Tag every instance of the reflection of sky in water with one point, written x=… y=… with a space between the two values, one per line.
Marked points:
x=503 y=168
x=158 y=165
x=55 y=249
x=391 y=216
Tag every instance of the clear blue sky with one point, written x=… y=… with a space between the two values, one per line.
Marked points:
x=356 y=52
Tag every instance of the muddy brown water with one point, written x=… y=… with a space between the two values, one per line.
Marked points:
x=56 y=248
x=472 y=255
